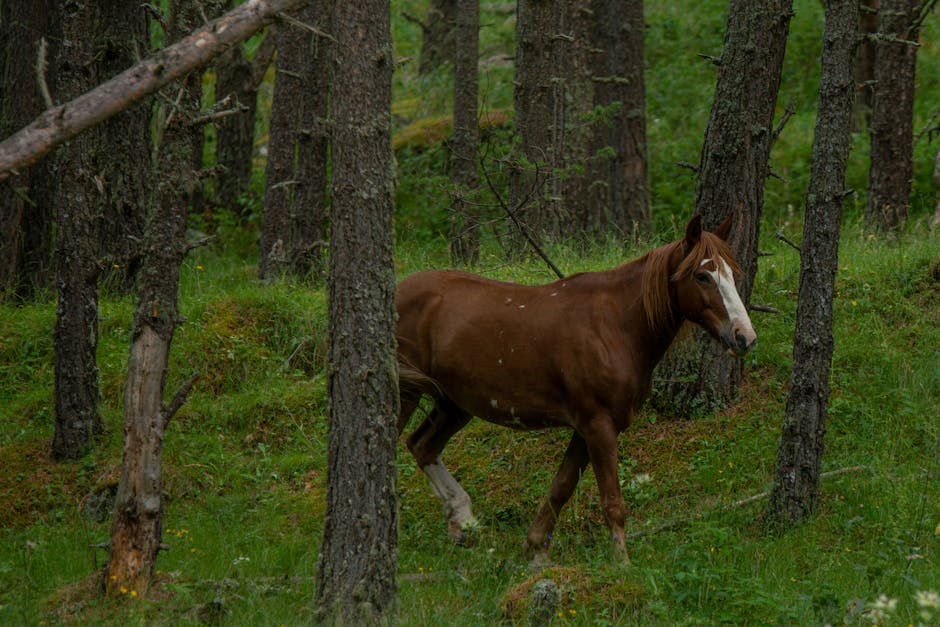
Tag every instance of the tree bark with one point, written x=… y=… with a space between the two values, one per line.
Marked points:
x=696 y=377
x=892 y=118
x=124 y=168
x=137 y=528
x=238 y=79
x=465 y=141
x=63 y=122
x=77 y=416
x=356 y=573
x=26 y=204
x=310 y=213
x=618 y=74
x=795 y=494
x=439 y=40
x=276 y=220
x=539 y=105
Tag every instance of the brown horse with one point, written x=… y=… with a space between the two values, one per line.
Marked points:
x=576 y=353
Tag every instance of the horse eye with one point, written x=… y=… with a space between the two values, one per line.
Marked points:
x=702 y=278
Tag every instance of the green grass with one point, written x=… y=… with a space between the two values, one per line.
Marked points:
x=245 y=458
x=245 y=469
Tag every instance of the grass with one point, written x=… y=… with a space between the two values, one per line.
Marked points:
x=245 y=458
x=245 y=470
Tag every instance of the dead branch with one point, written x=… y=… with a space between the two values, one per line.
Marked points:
x=42 y=65
x=304 y=26
x=727 y=507
x=515 y=219
x=783 y=238
x=787 y=114
x=713 y=60
x=687 y=166
x=179 y=398
x=60 y=124
x=764 y=308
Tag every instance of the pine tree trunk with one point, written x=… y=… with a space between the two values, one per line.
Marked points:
x=465 y=142
x=795 y=494
x=137 y=529
x=309 y=243
x=26 y=204
x=77 y=417
x=539 y=105
x=892 y=117
x=619 y=29
x=439 y=40
x=696 y=377
x=276 y=220
x=357 y=569
x=123 y=36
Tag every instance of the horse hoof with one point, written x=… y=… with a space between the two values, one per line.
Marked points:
x=540 y=561
x=464 y=534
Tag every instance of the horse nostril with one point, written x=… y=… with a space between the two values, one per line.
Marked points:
x=742 y=341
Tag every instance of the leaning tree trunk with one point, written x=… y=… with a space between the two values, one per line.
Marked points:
x=696 y=376
x=313 y=144
x=356 y=573
x=137 y=529
x=465 y=141
x=77 y=417
x=26 y=204
x=795 y=494
x=276 y=223
x=892 y=118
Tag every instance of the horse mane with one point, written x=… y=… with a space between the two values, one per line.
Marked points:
x=657 y=274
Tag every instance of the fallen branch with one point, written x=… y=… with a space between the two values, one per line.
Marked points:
x=59 y=124
x=682 y=522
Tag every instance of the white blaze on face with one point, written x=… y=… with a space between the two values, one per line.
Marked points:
x=737 y=313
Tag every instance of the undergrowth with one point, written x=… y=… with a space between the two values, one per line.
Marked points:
x=245 y=458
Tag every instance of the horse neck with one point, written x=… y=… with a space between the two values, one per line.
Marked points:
x=650 y=343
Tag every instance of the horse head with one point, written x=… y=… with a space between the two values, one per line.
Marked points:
x=704 y=287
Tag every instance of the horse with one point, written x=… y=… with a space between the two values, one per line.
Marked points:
x=577 y=353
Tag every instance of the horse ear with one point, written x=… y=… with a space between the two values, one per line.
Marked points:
x=693 y=231
x=724 y=229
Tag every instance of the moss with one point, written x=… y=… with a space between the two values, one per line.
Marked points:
x=609 y=591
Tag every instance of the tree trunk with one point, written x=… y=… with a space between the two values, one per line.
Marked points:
x=465 y=142
x=618 y=73
x=276 y=222
x=238 y=79
x=439 y=36
x=696 y=377
x=313 y=147
x=356 y=573
x=123 y=34
x=539 y=104
x=892 y=117
x=584 y=182
x=865 y=57
x=795 y=494
x=26 y=204
x=137 y=528
x=77 y=417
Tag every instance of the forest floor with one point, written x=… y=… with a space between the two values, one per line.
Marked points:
x=244 y=466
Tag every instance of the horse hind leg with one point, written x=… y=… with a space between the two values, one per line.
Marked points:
x=426 y=444
x=563 y=485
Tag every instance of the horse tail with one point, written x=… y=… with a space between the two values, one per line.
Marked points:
x=414 y=383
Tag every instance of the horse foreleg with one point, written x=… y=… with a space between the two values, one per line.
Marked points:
x=602 y=448
x=563 y=485
x=426 y=444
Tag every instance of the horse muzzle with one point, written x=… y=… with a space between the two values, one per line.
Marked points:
x=738 y=339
